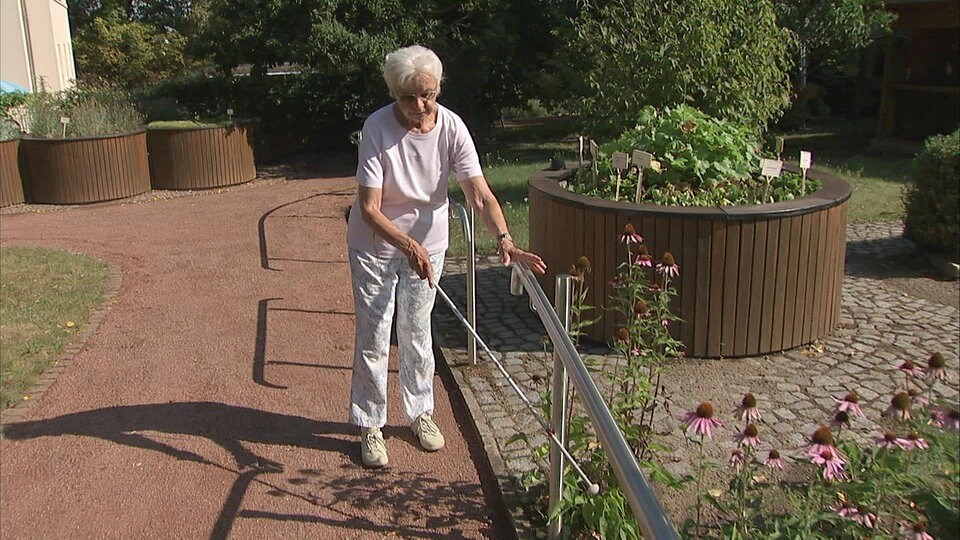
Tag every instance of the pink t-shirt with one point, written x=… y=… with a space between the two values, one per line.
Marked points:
x=412 y=169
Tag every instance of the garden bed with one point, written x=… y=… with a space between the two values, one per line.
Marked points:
x=86 y=169
x=201 y=157
x=11 y=185
x=753 y=279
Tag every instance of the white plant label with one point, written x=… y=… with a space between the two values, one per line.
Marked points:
x=229 y=112
x=580 y=139
x=642 y=159
x=619 y=160
x=64 y=119
x=594 y=149
x=806 y=159
x=770 y=167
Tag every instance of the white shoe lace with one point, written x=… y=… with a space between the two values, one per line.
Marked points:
x=428 y=426
x=374 y=442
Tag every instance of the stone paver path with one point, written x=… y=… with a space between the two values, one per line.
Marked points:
x=880 y=327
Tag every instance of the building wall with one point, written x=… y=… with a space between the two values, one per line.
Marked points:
x=35 y=47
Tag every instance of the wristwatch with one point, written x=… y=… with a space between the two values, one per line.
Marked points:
x=504 y=236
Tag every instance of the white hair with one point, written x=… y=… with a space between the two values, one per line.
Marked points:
x=402 y=65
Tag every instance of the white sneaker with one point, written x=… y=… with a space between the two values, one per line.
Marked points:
x=427 y=431
x=373 y=449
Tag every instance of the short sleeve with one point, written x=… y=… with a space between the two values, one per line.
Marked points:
x=465 y=161
x=370 y=164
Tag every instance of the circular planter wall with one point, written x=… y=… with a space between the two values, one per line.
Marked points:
x=753 y=279
x=11 y=185
x=201 y=158
x=85 y=170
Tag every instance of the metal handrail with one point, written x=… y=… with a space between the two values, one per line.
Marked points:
x=466 y=219
x=643 y=501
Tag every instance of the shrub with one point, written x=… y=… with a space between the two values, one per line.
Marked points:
x=92 y=112
x=932 y=201
x=705 y=161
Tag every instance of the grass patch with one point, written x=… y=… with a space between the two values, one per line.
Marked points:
x=192 y=124
x=840 y=146
x=46 y=297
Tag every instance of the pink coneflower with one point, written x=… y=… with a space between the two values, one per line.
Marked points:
x=643 y=257
x=701 y=421
x=748 y=409
x=616 y=282
x=916 y=531
x=640 y=308
x=630 y=235
x=654 y=287
x=936 y=367
x=914 y=440
x=582 y=265
x=623 y=336
x=822 y=439
x=891 y=440
x=899 y=406
x=736 y=460
x=865 y=517
x=774 y=461
x=668 y=266
x=748 y=437
x=846 y=509
x=665 y=323
x=849 y=403
x=945 y=418
x=916 y=396
x=911 y=369
x=832 y=463
x=840 y=420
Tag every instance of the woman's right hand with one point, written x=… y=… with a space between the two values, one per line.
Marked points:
x=419 y=261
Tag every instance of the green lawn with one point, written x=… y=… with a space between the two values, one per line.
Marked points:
x=840 y=146
x=46 y=297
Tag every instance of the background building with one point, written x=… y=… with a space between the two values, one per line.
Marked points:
x=35 y=47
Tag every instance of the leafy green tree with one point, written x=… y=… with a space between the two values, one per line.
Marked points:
x=726 y=57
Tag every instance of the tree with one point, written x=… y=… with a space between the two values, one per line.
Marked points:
x=726 y=57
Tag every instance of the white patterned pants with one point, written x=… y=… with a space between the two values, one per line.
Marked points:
x=376 y=283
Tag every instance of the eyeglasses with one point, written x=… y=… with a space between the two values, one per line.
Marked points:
x=428 y=96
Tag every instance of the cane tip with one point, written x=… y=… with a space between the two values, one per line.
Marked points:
x=593 y=489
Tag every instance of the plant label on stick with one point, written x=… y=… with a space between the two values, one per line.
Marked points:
x=642 y=159
x=580 y=140
x=779 y=144
x=230 y=113
x=770 y=168
x=64 y=120
x=594 y=149
x=806 y=159
x=620 y=160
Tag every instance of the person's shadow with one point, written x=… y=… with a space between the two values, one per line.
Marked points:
x=226 y=425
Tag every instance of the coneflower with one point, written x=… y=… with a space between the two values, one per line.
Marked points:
x=583 y=265
x=899 y=406
x=850 y=403
x=748 y=409
x=936 y=367
x=910 y=369
x=914 y=440
x=916 y=531
x=748 y=437
x=643 y=257
x=891 y=440
x=774 y=461
x=668 y=266
x=630 y=235
x=701 y=421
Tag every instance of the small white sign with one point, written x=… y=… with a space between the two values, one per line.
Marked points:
x=620 y=160
x=770 y=167
x=806 y=158
x=642 y=159
x=64 y=119
x=594 y=149
x=229 y=112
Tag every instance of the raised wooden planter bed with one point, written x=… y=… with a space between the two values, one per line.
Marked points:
x=84 y=170
x=11 y=185
x=753 y=279
x=201 y=157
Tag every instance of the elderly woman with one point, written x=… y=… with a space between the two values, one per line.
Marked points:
x=397 y=233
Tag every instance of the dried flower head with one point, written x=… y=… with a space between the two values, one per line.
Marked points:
x=583 y=264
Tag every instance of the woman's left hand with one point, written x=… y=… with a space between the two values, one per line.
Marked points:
x=510 y=253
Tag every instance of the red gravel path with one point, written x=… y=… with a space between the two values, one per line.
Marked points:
x=211 y=402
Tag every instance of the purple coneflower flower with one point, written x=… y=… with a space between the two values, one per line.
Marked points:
x=916 y=396
x=865 y=517
x=891 y=440
x=822 y=439
x=668 y=266
x=916 y=531
x=665 y=323
x=911 y=369
x=575 y=274
x=736 y=460
x=899 y=406
x=640 y=308
x=701 y=421
x=936 y=367
x=774 y=461
x=643 y=257
x=832 y=463
x=616 y=282
x=748 y=437
x=623 y=336
x=630 y=235
x=841 y=419
x=748 y=409
x=846 y=509
x=849 y=403
x=945 y=418
x=914 y=440
x=582 y=265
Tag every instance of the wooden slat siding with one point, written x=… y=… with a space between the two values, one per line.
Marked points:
x=612 y=257
x=771 y=279
x=820 y=315
x=538 y=241
x=811 y=304
x=702 y=309
x=841 y=256
x=717 y=265
x=835 y=242
x=803 y=260
x=731 y=269
x=675 y=247
x=757 y=273
x=76 y=171
x=688 y=281
x=202 y=158
x=744 y=290
x=11 y=185
x=787 y=271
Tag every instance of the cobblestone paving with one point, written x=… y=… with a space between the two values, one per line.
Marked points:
x=880 y=327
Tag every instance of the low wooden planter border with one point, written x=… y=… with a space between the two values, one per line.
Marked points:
x=753 y=279
x=85 y=169
x=11 y=185
x=201 y=157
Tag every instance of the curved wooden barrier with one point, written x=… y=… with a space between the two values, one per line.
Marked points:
x=753 y=279
x=201 y=158
x=85 y=170
x=11 y=185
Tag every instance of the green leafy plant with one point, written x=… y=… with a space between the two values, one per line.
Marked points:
x=932 y=221
x=92 y=112
x=704 y=161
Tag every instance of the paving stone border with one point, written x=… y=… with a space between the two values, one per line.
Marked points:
x=69 y=355
x=880 y=326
